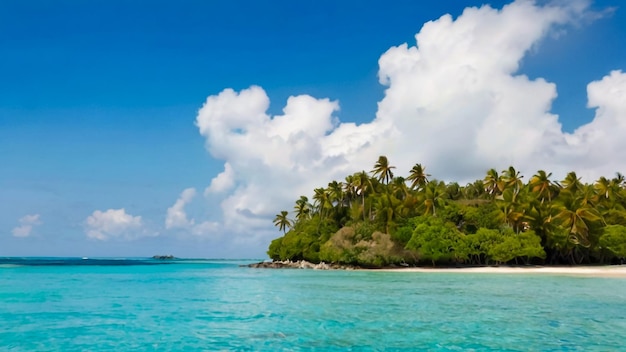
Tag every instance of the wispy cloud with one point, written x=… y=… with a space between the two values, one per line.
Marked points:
x=26 y=225
x=176 y=217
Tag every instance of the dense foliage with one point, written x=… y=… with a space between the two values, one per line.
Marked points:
x=377 y=219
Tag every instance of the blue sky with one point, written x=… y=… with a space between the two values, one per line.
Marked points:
x=99 y=102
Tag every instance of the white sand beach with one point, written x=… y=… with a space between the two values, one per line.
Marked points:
x=591 y=271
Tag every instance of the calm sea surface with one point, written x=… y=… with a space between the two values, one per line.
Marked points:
x=217 y=305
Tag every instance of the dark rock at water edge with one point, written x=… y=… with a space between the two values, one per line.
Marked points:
x=163 y=257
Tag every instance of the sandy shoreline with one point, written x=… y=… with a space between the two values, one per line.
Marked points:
x=592 y=271
x=618 y=271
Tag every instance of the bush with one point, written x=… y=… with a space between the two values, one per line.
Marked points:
x=614 y=240
x=347 y=246
x=437 y=241
x=503 y=245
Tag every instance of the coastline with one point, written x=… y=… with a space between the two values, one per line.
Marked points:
x=300 y=264
x=612 y=271
x=618 y=271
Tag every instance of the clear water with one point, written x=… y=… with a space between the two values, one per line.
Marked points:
x=213 y=306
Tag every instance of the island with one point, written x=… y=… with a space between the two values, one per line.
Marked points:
x=378 y=220
x=163 y=257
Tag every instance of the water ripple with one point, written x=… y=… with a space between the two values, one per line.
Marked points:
x=198 y=307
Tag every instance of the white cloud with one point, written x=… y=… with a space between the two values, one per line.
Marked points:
x=269 y=155
x=222 y=182
x=176 y=217
x=27 y=223
x=113 y=223
x=454 y=102
x=595 y=148
x=205 y=229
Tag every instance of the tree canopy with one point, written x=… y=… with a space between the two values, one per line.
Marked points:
x=378 y=218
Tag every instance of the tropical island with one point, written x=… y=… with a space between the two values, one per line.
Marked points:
x=377 y=219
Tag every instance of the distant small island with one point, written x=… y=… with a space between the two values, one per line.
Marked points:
x=163 y=257
x=378 y=220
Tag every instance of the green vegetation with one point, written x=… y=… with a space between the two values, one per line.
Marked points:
x=378 y=219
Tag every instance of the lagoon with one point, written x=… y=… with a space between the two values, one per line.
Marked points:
x=218 y=305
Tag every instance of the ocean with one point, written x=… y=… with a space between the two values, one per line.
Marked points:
x=215 y=305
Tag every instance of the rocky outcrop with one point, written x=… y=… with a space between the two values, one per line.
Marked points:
x=163 y=257
x=300 y=264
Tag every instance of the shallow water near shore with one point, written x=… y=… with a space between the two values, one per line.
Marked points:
x=217 y=305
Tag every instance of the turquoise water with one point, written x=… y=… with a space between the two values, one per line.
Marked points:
x=212 y=306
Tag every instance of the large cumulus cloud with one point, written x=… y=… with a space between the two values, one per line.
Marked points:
x=453 y=101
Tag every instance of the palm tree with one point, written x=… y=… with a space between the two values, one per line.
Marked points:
x=587 y=195
x=493 y=183
x=513 y=208
x=539 y=218
x=454 y=191
x=603 y=187
x=433 y=197
x=337 y=201
x=541 y=185
x=610 y=196
x=388 y=209
x=350 y=188
x=362 y=184
x=336 y=194
x=302 y=208
x=382 y=169
x=418 y=176
x=282 y=221
x=398 y=187
x=608 y=190
x=571 y=183
x=619 y=179
x=474 y=190
x=321 y=200
x=512 y=179
x=576 y=215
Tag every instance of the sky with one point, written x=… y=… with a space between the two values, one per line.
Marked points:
x=130 y=129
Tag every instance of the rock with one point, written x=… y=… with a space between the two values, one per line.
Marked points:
x=321 y=266
x=300 y=264
x=163 y=257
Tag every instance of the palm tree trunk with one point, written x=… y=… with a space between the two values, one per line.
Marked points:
x=363 y=203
